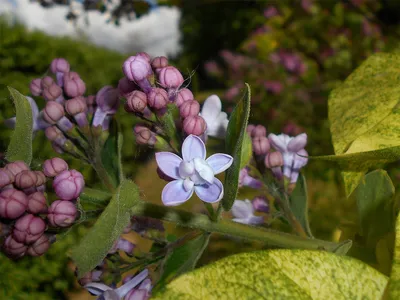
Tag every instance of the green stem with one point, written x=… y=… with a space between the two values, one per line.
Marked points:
x=100 y=170
x=227 y=227
x=284 y=204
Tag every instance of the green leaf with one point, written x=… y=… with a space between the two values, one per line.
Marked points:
x=168 y=123
x=182 y=259
x=280 y=274
x=299 y=204
x=235 y=143
x=364 y=113
x=98 y=241
x=20 y=147
x=111 y=154
x=95 y=197
x=247 y=151
x=394 y=282
x=375 y=206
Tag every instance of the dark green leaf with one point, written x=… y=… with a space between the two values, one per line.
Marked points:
x=95 y=197
x=299 y=203
x=168 y=123
x=20 y=147
x=98 y=241
x=235 y=143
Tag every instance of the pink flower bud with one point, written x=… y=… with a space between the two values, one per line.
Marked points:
x=59 y=65
x=39 y=247
x=13 y=203
x=183 y=95
x=124 y=245
x=125 y=86
x=158 y=63
x=250 y=128
x=40 y=178
x=136 y=102
x=189 y=108
x=273 y=159
x=136 y=68
x=297 y=143
x=261 y=145
x=260 y=204
x=145 y=55
x=62 y=213
x=194 y=125
x=46 y=82
x=6 y=177
x=69 y=184
x=14 y=248
x=16 y=167
x=28 y=229
x=55 y=135
x=36 y=203
x=54 y=166
x=52 y=92
x=73 y=85
x=158 y=98
x=54 y=114
x=170 y=77
x=259 y=130
x=77 y=108
x=144 y=136
x=107 y=99
x=25 y=179
x=36 y=87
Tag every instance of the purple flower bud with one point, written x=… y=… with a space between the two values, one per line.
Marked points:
x=246 y=180
x=297 y=143
x=36 y=203
x=54 y=166
x=107 y=99
x=52 y=92
x=55 y=135
x=28 y=229
x=158 y=63
x=124 y=245
x=16 y=167
x=194 y=125
x=182 y=96
x=274 y=161
x=158 y=98
x=144 y=136
x=14 y=248
x=59 y=65
x=259 y=130
x=36 y=87
x=189 y=108
x=69 y=184
x=250 y=128
x=170 y=78
x=77 y=108
x=13 y=203
x=136 y=102
x=136 y=68
x=261 y=145
x=57 y=148
x=6 y=177
x=145 y=55
x=261 y=204
x=46 y=82
x=25 y=179
x=125 y=87
x=40 y=178
x=39 y=247
x=62 y=213
x=54 y=114
x=73 y=85
x=92 y=276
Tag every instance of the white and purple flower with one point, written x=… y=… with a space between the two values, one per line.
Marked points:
x=193 y=173
x=216 y=119
x=243 y=212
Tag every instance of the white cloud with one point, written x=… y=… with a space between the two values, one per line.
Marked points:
x=156 y=33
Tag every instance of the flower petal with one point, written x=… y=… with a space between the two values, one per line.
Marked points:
x=169 y=164
x=277 y=142
x=242 y=209
x=210 y=192
x=204 y=170
x=193 y=147
x=125 y=288
x=96 y=288
x=174 y=193
x=219 y=162
x=211 y=108
x=297 y=143
x=34 y=107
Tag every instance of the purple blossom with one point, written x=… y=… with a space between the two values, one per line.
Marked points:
x=243 y=212
x=246 y=180
x=193 y=173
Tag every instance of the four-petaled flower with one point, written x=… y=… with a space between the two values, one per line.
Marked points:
x=216 y=119
x=193 y=173
x=243 y=212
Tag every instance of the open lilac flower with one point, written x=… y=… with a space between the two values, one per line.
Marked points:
x=216 y=119
x=106 y=292
x=243 y=212
x=193 y=173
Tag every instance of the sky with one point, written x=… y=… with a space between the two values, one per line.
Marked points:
x=156 y=33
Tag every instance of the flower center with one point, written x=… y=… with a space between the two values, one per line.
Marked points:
x=197 y=170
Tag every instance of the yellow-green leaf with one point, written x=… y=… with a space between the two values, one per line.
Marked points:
x=98 y=241
x=280 y=274
x=20 y=147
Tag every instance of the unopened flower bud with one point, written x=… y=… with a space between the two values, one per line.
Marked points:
x=6 y=177
x=36 y=203
x=62 y=213
x=13 y=203
x=261 y=145
x=40 y=178
x=28 y=229
x=145 y=55
x=57 y=148
x=77 y=108
x=55 y=135
x=189 y=108
x=25 y=179
x=36 y=87
x=194 y=125
x=260 y=204
x=52 y=92
x=158 y=63
x=54 y=166
x=46 y=82
x=136 y=68
x=144 y=136
x=14 y=248
x=54 y=114
x=182 y=96
x=16 y=167
x=274 y=161
x=259 y=130
x=39 y=247
x=69 y=184
x=124 y=245
x=74 y=86
x=125 y=86
x=92 y=276
x=170 y=78
x=250 y=128
x=158 y=98
x=136 y=101
x=297 y=143
x=59 y=65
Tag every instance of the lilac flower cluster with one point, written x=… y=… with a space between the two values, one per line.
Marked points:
x=24 y=212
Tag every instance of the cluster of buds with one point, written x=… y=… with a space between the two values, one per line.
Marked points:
x=24 y=212
x=149 y=86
